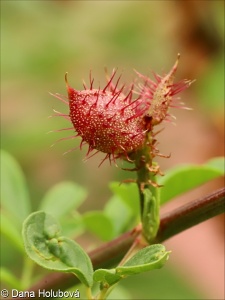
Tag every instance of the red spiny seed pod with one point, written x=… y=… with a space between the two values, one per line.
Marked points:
x=111 y=121
x=107 y=119
x=159 y=95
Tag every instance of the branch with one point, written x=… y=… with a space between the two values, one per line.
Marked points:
x=171 y=224
x=191 y=214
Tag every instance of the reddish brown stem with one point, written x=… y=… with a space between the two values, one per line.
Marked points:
x=171 y=224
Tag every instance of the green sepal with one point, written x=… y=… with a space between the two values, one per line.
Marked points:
x=45 y=246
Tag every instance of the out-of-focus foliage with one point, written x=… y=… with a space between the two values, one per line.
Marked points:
x=55 y=251
x=41 y=40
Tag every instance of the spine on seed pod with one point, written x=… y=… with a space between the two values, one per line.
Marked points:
x=119 y=121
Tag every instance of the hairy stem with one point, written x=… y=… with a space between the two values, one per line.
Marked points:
x=171 y=224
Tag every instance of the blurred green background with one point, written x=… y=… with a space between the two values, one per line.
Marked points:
x=41 y=40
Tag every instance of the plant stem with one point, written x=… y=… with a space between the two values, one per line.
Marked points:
x=137 y=245
x=171 y=224
x=27 y=272
x=148 y=188
x=191 y=214
x=89 y=294
x=143 y=159
x=102 y=295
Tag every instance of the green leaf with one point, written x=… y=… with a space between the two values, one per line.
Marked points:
x=106 y=277
x=120 y=214
x=149 y=258
x=100 y=224
x=184 y=178
x=10 y=231
x=120 y=292
x=44 y=245
x=210 y=86
x=14 y=193
x=8 y=278
x=128 y=193
x=72 y=225
x=62 y=198
x=218 y=163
